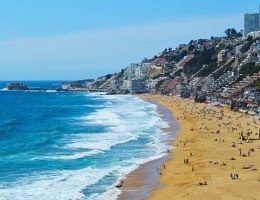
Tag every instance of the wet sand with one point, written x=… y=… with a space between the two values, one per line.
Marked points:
x=142 y=181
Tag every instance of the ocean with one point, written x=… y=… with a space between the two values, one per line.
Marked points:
x=74 y=145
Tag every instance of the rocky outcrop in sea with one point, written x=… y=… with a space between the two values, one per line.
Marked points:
x=16 y=86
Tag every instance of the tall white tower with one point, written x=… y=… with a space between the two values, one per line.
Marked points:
x=251 y=23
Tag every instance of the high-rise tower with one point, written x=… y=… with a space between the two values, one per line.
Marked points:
x=251 y=23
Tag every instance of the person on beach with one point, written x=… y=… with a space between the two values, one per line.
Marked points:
x=192 y=169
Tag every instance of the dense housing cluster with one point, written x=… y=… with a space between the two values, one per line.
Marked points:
x=224 y=69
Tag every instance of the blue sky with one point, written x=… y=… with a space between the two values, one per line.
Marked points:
x=78 y=39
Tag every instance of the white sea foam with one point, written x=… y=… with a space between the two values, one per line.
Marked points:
x=124 y=122
x=95 y=93
x=66 y=184
x=102 y=117
x=111 y=193
x=94 y=106
x=51 y=91
x=70 y=157
x=139 y=161
x=100 y=141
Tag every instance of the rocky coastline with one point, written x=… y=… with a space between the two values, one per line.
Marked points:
x=23 y=87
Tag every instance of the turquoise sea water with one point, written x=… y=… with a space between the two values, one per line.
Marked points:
x=73 y=145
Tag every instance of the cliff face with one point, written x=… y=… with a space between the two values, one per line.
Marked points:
x=16 y=86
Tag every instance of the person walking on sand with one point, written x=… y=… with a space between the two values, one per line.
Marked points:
x=192 y=169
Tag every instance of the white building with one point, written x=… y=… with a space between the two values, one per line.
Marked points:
x=254 y=34
x=130 y=70
x=126 y=85
x=115 y=83
x=137 y=86
x=222 y=55
x=65 y=86
x=141 y=70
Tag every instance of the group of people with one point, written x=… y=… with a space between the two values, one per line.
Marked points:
x=234 y=176
x=186 y=161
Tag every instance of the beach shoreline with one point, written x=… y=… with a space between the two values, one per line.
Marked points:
x=139 y=183
x=216 y=156
x=211 y=159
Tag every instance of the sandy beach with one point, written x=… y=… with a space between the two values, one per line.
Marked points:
x=216 y=154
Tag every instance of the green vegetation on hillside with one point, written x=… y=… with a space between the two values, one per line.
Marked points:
x=249 y=69
x=204 y=57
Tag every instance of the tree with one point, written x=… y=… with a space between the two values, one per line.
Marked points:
x=249 y=38
x=230 y=48
x=191 y=47
x=231 y=32
x=108 y=76
x=249 y=69
x=246 y=46
x=204 y=57
x=239 y=34
x=183 y=53
x=159 y=83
